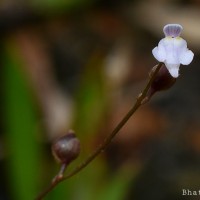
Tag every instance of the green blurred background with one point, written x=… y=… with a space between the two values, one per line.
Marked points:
x=79 y=64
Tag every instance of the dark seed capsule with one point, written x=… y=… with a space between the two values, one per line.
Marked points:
x=66 y=148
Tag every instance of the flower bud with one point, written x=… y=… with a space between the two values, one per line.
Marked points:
x=66 y=148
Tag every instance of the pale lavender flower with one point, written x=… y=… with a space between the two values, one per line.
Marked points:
x=172 y=50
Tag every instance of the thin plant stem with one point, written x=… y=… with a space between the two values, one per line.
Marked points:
x=139 y=101
x=60 y=173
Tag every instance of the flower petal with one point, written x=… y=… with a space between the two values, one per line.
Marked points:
x=172 y=30
x=186 y=57
x=173 y=69
x=159 y=52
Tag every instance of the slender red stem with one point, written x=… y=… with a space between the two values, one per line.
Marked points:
x=109 y=138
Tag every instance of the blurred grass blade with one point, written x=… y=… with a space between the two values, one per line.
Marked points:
x=20 y=118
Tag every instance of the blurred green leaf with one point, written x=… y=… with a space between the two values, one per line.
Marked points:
x=115 y=188
x=21 y=127
x=91 y=98
x=91 y=102
x=52 y=6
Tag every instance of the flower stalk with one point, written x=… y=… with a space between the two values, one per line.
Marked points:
x=107 y=140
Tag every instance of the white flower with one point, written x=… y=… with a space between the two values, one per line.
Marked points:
x=172 y=50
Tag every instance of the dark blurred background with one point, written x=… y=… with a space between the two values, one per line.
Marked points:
x=80 y=64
